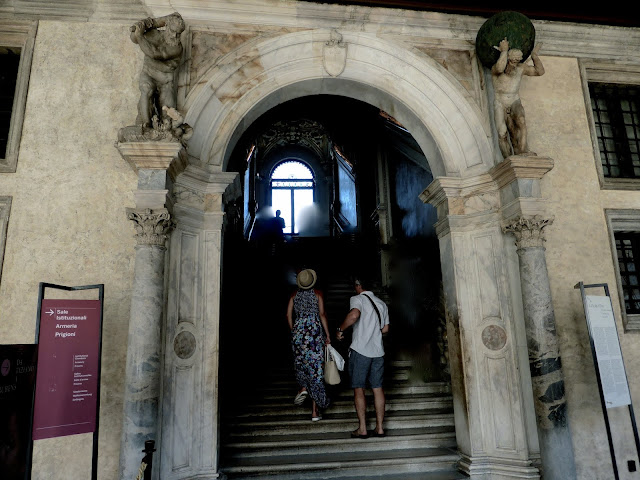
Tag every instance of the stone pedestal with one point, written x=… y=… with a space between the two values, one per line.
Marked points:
x=157 y=164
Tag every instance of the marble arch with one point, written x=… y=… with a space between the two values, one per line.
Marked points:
x=495 y=424
x=409 y=86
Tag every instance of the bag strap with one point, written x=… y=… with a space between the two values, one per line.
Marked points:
x=376 y=309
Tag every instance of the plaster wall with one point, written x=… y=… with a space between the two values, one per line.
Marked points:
x=578 y=249
x=68 y=224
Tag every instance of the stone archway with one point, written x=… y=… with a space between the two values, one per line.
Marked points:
x=493 y=411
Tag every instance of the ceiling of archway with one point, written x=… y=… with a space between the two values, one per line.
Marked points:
x=318 y=122
x=298 y=131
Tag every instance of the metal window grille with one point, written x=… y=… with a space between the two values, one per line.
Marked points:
x=9 y=63
x=616 y=113
x=628 y=248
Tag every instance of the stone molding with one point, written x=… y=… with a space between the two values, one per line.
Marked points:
x=20 y=35
x=518 y=167
x=291 y=65
x=5 y=208
x=444 y=30
x=528 y=231
x=507 y=192
x=484 y=465
x=622 y=220
x=198 y=194
x=169 y=156
x=152 y=227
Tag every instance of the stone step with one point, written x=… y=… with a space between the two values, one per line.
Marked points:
x=362 y=474
x=335 y=465
x=290 y=388
x=431 y=437
x=332 y=423
x=279 y=407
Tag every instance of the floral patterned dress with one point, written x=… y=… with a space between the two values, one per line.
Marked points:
x=307 y=341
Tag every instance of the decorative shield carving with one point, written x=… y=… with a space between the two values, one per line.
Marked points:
x=335 y=54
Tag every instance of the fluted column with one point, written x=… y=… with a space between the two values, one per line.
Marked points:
x=545 y=364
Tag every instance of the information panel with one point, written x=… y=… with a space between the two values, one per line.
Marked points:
x=17 y=381
x=608 y=354
x=67 y=380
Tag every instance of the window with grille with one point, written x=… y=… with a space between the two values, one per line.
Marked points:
x=628 y=248
x=616 y=114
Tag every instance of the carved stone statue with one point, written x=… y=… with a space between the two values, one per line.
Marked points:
x=158 y=119
x=162 y=50
x=506 y=75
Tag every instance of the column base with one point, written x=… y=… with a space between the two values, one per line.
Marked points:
x=206 y=476
x=496 y=468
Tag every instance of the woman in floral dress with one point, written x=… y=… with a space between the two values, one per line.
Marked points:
x=309 y=335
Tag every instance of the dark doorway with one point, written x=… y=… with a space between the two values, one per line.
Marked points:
x=367 y=173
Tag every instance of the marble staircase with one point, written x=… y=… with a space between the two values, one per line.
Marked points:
x=266 y=436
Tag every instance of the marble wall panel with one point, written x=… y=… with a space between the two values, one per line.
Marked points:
x=493 y=388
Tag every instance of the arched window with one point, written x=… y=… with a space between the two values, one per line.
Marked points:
x=291 y=191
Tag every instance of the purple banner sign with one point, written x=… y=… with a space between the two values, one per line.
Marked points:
x=67 y=379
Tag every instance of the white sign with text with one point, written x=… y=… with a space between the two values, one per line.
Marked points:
x=607 y=350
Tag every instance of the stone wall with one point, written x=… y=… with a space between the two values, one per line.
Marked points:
x=68 y=223
x=578 y=249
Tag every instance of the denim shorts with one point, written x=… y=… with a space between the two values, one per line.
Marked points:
x=365 y=371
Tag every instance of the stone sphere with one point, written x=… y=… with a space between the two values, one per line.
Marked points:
x=514 y=26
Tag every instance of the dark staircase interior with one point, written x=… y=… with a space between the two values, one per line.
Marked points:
x=263 y=434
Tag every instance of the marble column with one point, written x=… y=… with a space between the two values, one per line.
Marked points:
x=156 y=165
x=143 y=371
x=554 y=436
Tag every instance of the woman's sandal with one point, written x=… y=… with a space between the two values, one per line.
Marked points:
x=300 y=397
x=316 y=418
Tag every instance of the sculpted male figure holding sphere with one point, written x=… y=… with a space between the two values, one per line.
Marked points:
x=506 y=75
x=162 y=50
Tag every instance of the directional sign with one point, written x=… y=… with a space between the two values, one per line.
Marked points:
x=67 y=380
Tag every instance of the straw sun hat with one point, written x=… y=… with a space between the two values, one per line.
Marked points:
x=306 y=279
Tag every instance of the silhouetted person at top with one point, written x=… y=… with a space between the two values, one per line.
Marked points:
x=280 y=220
x=276 y=227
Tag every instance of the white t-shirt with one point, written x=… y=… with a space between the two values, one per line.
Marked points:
x=367 y=338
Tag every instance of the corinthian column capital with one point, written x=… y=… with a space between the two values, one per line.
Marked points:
x=528 y=231
x=152 y=228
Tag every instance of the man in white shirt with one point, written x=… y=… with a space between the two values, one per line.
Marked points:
x=366 y=354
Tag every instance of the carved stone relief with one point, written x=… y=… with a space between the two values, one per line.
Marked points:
x=151 y=228
x=528 y=231
x=335 y=54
